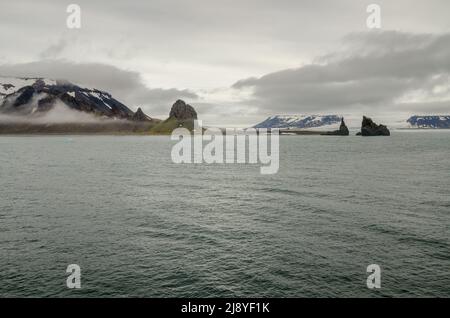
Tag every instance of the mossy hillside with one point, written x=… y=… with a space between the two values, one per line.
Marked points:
x=167 y=126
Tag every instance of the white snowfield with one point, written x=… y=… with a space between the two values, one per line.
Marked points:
x=296 y=118
x=10 y=85
x=309 y=120
x=101 y=96
x=352 y=120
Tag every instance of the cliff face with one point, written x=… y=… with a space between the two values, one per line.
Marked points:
x=182 y=111
x=181 y=115
x=36 y=96
x=369 y=128
x=343 y=130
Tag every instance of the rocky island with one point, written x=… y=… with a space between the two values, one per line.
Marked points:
x=369 y=128
x=343 y=130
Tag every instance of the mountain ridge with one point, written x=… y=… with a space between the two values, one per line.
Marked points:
x=299 y=121
x=34 y=96
x=430 y=121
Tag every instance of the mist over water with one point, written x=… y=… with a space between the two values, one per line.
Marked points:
x=139 y=225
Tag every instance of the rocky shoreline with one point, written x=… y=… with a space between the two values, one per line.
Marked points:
x=368 y=128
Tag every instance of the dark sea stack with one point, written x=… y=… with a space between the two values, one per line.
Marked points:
x=182 y=111
x=369 y=128
x=343 y=130
x=139 y=115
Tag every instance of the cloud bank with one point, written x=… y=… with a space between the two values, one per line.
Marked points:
x=374 y=71
x=125 y=86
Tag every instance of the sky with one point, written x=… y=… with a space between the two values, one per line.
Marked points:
x=240 y=61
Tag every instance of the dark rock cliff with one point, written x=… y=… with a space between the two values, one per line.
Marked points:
x=182 y=111
x=369 y=128
x=343 y=130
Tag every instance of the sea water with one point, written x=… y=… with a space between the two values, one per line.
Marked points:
x=138 y=224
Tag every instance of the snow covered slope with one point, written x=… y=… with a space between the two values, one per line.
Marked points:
x=442 y=122
x=300 y=121
x=32 y=96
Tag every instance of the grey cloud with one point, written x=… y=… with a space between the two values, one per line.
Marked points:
x=124 y=85
x=438 y=107
x=376 y=69
x=207 y=44
x=55 y=49
x=244 y=37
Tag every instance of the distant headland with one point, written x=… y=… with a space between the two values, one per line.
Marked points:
x=45 y=106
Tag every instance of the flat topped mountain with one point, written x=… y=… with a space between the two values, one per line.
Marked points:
x=35 y=96
x=299 y=121
x=437 y=122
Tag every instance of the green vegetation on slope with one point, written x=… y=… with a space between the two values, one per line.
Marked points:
x=167 y=126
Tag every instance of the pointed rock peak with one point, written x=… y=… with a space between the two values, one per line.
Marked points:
x=367 y=121
x=182 y=111
x=139 y=115
x=343 y=130
x=343 y=125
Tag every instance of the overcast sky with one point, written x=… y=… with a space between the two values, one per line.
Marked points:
x=239 y=61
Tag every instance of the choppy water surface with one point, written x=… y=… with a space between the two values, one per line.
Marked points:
x=139 y=225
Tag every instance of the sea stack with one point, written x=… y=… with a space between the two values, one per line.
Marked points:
x=369 y=128
x=343 y=130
